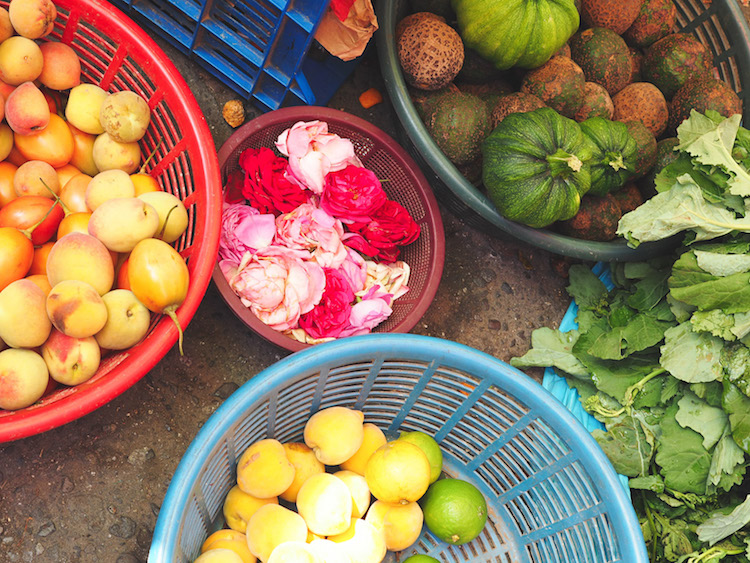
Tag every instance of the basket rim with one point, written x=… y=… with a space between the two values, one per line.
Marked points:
x=139 y=360
x=408 y=346
x=467 y=193
x=433 y=217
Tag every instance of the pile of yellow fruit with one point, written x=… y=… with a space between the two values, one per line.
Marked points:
x=345 y=495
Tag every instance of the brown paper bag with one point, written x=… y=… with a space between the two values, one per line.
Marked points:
x=347 y=39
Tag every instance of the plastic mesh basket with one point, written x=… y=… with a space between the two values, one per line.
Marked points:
x=721 y=26
x=552 y=494
x=402 y=181
x=117 y=55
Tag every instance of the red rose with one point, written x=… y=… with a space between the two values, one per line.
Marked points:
x=331 y=315
x=390 y=227
x=352 y=194
x=265 y=185
x=233 y=187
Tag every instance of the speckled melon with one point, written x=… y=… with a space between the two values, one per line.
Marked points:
x=559 y=83
x=596 y=103
x=644 y=102
x=458 y=125
x=603 y=56
x=702 y=93
x=646 y=155
x=628 y=197
x=673 y=60
x=596 y=219
x=617 y=15
x=655 y=20
x=515 y=102
x=431 y=54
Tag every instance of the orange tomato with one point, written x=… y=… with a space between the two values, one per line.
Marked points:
x=42 y=281
x=7 y=171
x=77 y=222
x=39 y=262
x=83 y=151
x=53 y=144
x=15 y=157
x=159 y=278
x=36 y=216
x=66 y=172
x=144 y=183
x=73 y=193
x=121 y=280
x=16 y=254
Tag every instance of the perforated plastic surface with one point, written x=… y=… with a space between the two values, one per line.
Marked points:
x=402 y=181
x=117 y=55
x=552 y=495
x=722 y=27
x=263 y=49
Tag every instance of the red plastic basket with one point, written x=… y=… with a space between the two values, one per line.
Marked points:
x=117 y=55
x=406 y=184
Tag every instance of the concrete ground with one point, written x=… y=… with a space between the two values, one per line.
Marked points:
x=90 y=491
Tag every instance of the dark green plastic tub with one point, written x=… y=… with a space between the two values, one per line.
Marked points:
x=722 y=27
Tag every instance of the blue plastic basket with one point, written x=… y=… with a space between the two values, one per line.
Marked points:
x=259 y=48
x=552 y=494
x=558 y=386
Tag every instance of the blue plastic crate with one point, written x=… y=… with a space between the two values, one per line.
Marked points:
x=262 y=49
x=552 y=494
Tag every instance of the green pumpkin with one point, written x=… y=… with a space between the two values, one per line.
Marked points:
x=520 y=33
x=535 y=167
x=615 y=152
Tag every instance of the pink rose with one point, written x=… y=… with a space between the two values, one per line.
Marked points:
x=243 y=229
x=352 y=194
x=311 y=228
x=354 y=269
x=279 y=285
x=266 y=186
x=391 y=226
x=372 y=310
x=331 y=315
x=314 y=152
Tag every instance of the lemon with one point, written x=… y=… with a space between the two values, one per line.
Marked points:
x=325 y=503
x=372 y=440
x=362 y=541
x=263 y=469
x=431 y=449
x=398 y=472
x=454 y=510
x=305 y=464
x=360 y=492
x=219 y=555
x=401 y=523
x=330 y=552
x=271 y=525
x=294 y=552
x=335 y=434
x=240 y=506
x=231 y=540
x=420 y=558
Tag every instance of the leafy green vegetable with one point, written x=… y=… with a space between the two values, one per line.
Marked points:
x=662 y=360
x=703 y=191
x=711 y=143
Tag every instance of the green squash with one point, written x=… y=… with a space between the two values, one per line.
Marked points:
x=535 y=167
x=615 y=152
x=522 y=33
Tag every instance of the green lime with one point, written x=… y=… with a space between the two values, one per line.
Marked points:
x=431 y=449
x=420 y=558
x=454 y=510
